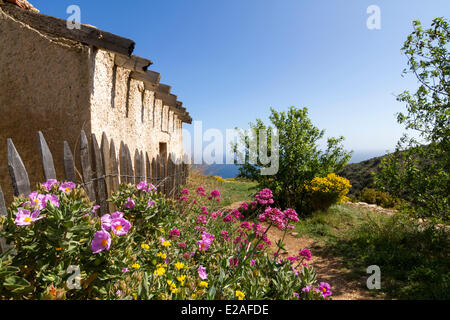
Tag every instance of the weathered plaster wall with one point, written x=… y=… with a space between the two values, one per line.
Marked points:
x=44 y=85
x=125 y=111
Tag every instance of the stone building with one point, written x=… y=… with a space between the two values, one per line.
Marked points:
x=59 y=81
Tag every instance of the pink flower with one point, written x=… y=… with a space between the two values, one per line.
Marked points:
x=233 y=262
x=106 y=222
x=291 y=214
x=225 y=235
x=246 y=225
x=200 y=190
x=202 y=273
x=39 y=201
x=307 y=289
x=151 y=203
x=182 y=245
x=53 y=199
x=215 y=193
x=120 y=226
x=25 y=217
x=185 y=191
x=49 y=184
x=151 y=188
x=305 y=253
x=264 y=197
x=125 y=270
x=229 y=218
x=67 y=187
x=205 y=243
x=174 y=233
x=291 y=259
x=130 y=203
x=95 y=208
x=324 y=289
x=142 y=186
x=202 y=219
x=252 y=263
x=183 y=199
x=274 y=216
x=244 y=206
x=102 y=241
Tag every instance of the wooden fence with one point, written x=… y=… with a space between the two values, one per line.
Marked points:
x=101 y=170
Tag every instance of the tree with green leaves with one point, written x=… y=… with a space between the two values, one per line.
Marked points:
x=418 y=170
x=300 y=158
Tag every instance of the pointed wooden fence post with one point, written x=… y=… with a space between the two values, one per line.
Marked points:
x=148 y=169
x=142 y=160
x=130 y=166
x=86 y=166
x=123 y=163
x=154 y=171
x=47 y=158
x=106 y=158
x=114 y=168
x=158 y=173
x=17 y=171
x=100 y=185
x=137 y=166
x=69 y=165
x=3 y=212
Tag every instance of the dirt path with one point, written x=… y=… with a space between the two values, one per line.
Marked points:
x=328 y=268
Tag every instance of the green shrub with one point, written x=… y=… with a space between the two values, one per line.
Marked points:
x=413 y=257
x=380 y=198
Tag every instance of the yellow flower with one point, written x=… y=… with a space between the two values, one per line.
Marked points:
x=179 y=265
x=145 y=246
x=161 y=265
x=174 y=290
x=204 y=284
x=240 y=295
x=166 y=244
x=160 y=272
x=181 y=279
x=162 y=255
x=136 y=266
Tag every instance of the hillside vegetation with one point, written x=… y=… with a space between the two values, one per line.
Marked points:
x=360 y=174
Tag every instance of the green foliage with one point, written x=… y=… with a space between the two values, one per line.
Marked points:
x=380 y=198
x=419 y=170
x=361 y=174
x=300 y=159
x=413 y=257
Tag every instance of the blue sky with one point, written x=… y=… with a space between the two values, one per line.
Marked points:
x=230 y=61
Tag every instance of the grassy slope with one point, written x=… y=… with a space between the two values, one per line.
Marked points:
x=231 y=191
x=413 y=258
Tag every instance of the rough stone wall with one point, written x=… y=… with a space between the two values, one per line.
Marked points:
x=125 y=111
x=44 y=85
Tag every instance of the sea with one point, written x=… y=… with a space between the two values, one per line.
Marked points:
x=228 y=171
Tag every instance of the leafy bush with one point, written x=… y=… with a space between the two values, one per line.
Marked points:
x=151 y=248
x=380 y=198
x=322 y=193
x=418 y=171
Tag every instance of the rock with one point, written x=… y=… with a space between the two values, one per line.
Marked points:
x=294 y=234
